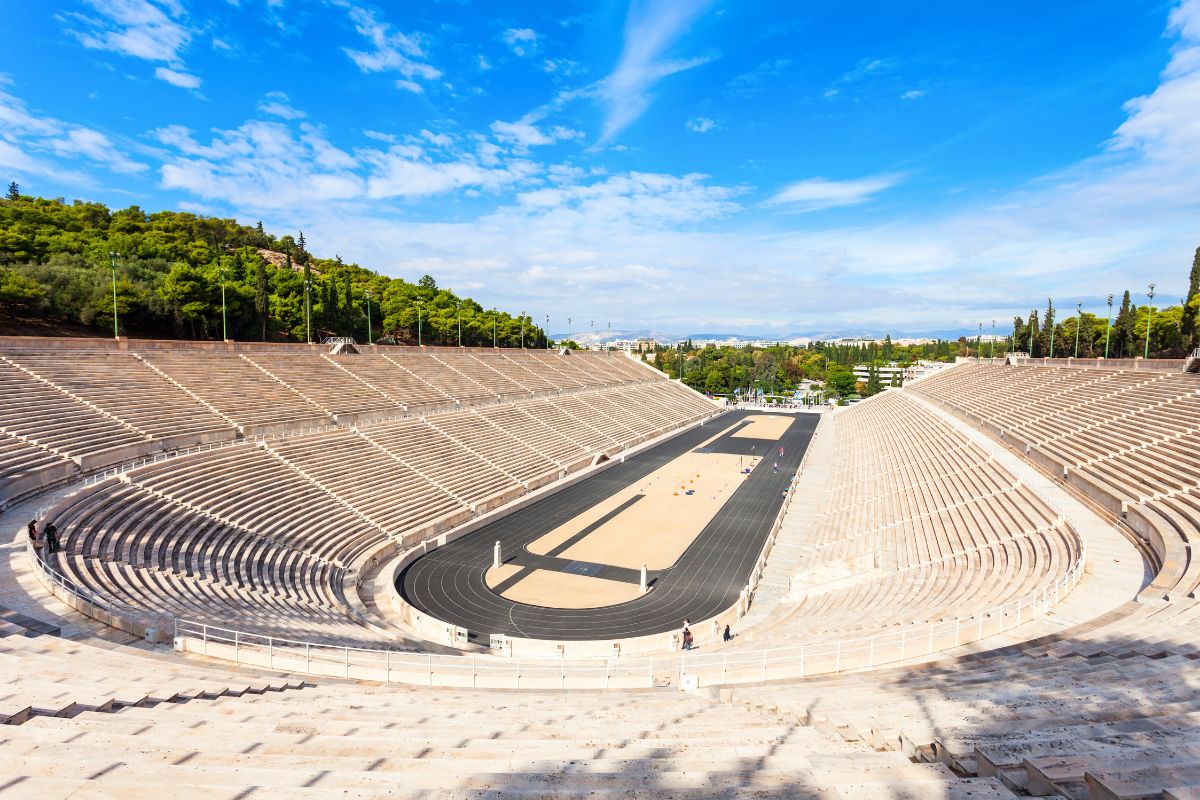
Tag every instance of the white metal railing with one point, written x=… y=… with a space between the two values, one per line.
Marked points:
x=730 y=665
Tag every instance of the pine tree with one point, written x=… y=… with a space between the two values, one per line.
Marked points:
x=1190 y=325
x=14 y=191
x=262 y=298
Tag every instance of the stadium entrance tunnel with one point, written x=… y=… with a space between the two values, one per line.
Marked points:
x=693 y=512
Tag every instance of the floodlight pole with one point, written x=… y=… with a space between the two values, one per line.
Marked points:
x=1149 y=320
x=112 y=261
x=1033 y=316
x=993 y=353
x=1108 y=328
x=458 y=315
x=493 y=328
x=522 y=329
x=547 y=332
x=418 y=305
x=224 y=322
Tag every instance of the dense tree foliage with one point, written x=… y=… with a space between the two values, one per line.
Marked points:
x=1173 y=329
x=783 y=369
x=171 y=267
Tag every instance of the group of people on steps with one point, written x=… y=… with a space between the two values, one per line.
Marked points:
x=48 y=539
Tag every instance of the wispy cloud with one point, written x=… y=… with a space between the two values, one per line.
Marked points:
x=913 y=94
x=33 y=144
x=651 y=29
x=755 y=81
x=183 y=80
x=866 y=69
x=522 y=41
x=701 y=125
x=278 y=104
x=815 y=194
x=139 y=29
x=524 y=133
x=391 y=50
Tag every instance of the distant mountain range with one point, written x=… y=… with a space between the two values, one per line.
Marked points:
x=604 y=337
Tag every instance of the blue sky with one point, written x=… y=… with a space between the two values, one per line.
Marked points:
x=706 y=165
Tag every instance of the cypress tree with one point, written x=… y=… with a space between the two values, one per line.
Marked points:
x=262 y=298
x=1190 y=325
x=14 y=191
x=1123 y=327
x=1034 y=340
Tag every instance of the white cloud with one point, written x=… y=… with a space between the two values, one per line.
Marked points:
x=484 y=64
x=522 y=41
x=140 y=29
x=524 y=134
x=815 y=194
x=391 y=51
x=913 y=94
x=278 y=104
x=265 y=165
x=34 y=144
x=183 y=80
x=650 y=30
x=701 y=125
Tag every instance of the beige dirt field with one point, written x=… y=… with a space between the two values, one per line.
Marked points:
x=763 y=426
x=497 y=575
x=565 y=590
x=657 y=529
x=654 y=531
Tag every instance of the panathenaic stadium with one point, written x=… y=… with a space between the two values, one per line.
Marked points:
x=455 y=572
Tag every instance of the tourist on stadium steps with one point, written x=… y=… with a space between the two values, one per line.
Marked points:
x=51 y=536
x=726 y=636
x=33 y=537
x=687 y=639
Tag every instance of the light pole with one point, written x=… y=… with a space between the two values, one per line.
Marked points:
x=522 y=329
x=367 y=292
x=993 y=353
x=1108 y=328
x=1149 y=320
x=493 y=328
x=458 y=316
x=308 y=311
x=224 y=323
x=112 y=261
x=547 y=332
x=1032 y=317
x=979 y=342
x=568 y=329
x=418 y=304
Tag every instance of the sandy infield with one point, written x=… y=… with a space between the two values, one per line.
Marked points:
x=763 y=426
x=658 y=528
x=566 y=590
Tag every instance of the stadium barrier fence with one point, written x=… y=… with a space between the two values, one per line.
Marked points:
x=686 y=669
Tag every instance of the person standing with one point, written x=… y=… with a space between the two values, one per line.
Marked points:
x=33 y=537
x=726 y=636
x=51 y=536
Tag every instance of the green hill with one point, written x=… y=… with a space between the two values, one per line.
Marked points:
x=56 y=278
